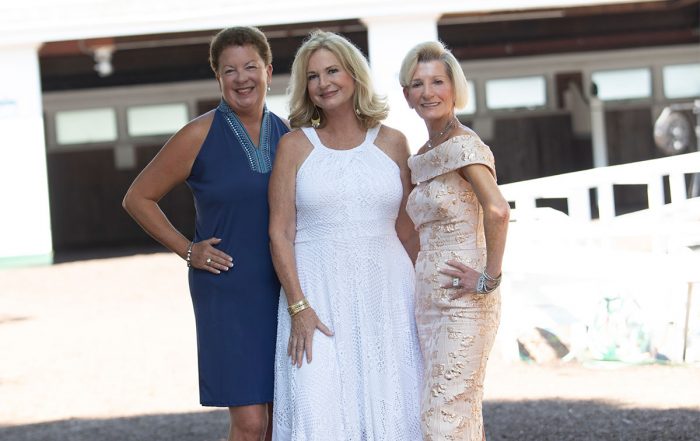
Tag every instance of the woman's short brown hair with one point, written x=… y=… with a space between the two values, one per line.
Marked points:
x=238 y=36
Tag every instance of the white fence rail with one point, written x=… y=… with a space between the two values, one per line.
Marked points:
x=574 y=187
x=562 y=272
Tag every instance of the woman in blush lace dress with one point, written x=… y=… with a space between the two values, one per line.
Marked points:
x=340 y=236
x=462 y=220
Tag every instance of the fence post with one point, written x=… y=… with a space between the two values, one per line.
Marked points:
x=525 y=203
x=655 y=192
x=606 y=201
x=678 y=188
x=579 y=204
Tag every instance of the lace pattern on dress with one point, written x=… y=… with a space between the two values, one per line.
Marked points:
x=452 y=154
x=456 y=335
x=364 y=381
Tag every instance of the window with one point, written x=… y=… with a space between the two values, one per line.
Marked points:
x=623 y=84
x=509 y=93
x=682 y=81
x=84 y=126
x=159 y=119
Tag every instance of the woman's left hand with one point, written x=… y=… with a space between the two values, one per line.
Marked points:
x=304 y=325
x=204 y=256
x=466 y=278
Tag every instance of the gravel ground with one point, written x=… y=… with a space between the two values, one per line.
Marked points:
x=104 y=349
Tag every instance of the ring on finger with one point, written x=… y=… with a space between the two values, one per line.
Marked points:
x=209 y=261
x=455 y=282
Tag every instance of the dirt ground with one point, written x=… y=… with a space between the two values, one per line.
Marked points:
x=104 y=349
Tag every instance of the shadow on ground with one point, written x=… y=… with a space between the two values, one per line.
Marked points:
x=532 y=420
x=195 y=426
x=565 y=420
x=92 y=253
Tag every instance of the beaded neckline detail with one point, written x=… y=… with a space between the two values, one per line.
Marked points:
x=259 y=158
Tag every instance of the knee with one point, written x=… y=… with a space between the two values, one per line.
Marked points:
x=252 y=427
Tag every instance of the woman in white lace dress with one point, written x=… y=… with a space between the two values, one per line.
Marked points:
x=347 y=366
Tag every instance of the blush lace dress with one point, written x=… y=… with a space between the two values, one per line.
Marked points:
x=363 y=383
x=455 y=336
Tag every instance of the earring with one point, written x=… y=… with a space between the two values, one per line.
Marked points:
x=357 y=112
x=316 y=118
x=269 y=88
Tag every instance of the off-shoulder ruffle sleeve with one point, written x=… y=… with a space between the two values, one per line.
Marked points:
x=451 y=155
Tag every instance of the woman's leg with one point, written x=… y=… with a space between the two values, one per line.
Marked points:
x=248 y=423
x=268 y=436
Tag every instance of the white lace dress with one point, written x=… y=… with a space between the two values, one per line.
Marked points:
x=364 y=382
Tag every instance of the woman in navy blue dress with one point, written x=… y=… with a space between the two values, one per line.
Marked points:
x=225 y=157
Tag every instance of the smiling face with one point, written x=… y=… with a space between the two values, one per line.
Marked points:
x=329 y=85
x=430 y=92
x=243 y=78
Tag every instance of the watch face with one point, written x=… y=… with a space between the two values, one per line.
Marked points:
x=673 y=132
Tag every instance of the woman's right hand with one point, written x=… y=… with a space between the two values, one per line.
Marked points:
x=207 y=258
x=465 y=276
x=304 y=325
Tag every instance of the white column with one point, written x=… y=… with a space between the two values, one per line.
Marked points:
x=600 y=143
x=390 y=38
x=25 y=221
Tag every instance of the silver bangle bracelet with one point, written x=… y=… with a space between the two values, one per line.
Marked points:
x=492 y=279
x=482 y=286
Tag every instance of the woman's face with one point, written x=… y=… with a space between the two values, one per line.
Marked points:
x=243 y=78
x=430 y=91
x=328 y=84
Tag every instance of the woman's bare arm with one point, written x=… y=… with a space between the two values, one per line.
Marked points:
x=394 y=144
x=291 y=152
x=170 y=167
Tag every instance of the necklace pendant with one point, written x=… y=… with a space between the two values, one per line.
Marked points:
x=445 y=131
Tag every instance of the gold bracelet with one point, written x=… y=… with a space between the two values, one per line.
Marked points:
x=297 y=307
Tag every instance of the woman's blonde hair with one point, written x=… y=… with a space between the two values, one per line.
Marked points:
x=370 y=108
x=436 y=51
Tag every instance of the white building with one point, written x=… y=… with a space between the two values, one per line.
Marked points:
x=89 y=90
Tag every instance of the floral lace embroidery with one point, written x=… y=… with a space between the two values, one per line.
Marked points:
x=455 y=335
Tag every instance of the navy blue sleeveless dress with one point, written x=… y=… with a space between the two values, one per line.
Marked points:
x=235 y=311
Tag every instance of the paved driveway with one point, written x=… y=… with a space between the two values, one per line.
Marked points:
x=105 y=350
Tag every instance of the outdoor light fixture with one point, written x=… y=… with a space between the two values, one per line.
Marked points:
x=103 y=60
x=673 y=134
x=673 y=130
